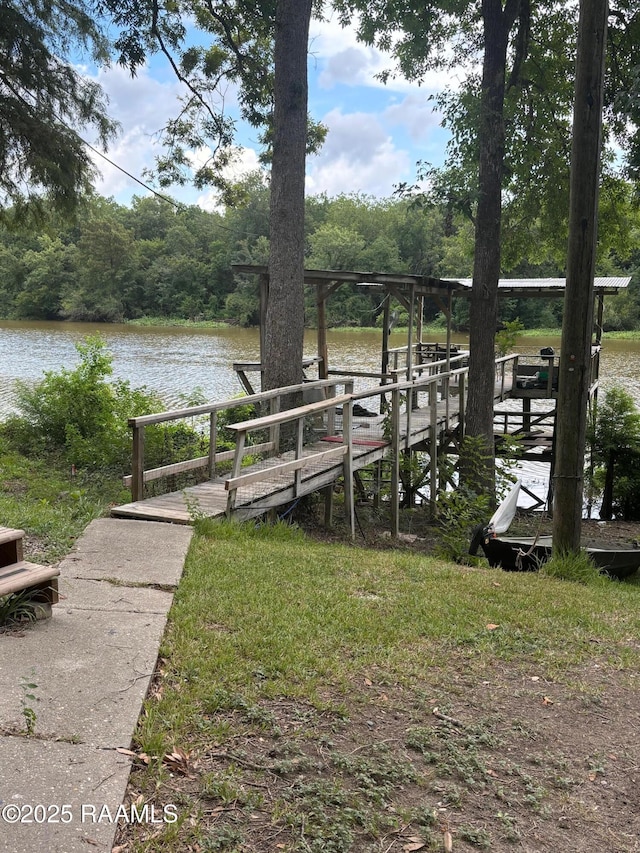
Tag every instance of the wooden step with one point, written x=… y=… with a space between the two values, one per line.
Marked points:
x=10 y=546
x=42 y=580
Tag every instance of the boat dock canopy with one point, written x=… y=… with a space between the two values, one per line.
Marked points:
x=524 y=288
x=422 y=285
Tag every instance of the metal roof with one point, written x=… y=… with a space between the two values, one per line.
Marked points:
x=423 y=285
x=529 y=287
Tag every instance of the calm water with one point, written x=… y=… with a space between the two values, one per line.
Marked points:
x=176 y=361
x=172 y=361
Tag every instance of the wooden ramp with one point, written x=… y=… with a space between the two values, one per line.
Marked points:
x=280 y=479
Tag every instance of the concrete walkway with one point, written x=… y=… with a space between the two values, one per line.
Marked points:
x=92 y=663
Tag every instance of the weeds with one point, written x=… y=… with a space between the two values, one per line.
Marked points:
x=27 y=701
x=576 y=567
x=17 y=607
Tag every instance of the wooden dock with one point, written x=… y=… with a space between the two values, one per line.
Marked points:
x=335 y=436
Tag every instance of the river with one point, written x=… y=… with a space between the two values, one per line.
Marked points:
x=175 y=361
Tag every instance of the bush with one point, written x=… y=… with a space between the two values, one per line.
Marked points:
x=79 y=414
x=614 y=437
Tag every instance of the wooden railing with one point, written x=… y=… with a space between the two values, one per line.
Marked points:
x=295 y=417
x=429 y=389
x=140 y=476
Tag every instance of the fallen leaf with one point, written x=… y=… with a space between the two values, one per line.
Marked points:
x=547 y=701
x=592 y=777
x=448 y=842
x=178 y=761
x=492 y=773
x=124 y=751
x=495 y=583
x=535 y=678
x=368 y=682
x=414 y=845
x=492 y=627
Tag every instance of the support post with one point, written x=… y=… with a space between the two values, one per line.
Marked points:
x=213 y=442
x=263 y=283
x=347 y=437
x=395 y=462
x=137 y=472
x=433 y=448
x=323 y=350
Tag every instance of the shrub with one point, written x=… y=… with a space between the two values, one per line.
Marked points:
x=614 y=438
x=78 y=413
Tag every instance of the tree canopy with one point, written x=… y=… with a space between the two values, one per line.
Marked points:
x=45 y=102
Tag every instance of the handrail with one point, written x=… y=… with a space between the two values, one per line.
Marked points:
x=300 y=461
x=139 y=476
x=431 y=379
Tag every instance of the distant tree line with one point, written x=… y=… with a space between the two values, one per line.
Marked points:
x=151 y=259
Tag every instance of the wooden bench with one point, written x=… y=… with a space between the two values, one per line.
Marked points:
x=17 y=575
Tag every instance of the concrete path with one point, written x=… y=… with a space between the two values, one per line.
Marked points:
x=92 y=663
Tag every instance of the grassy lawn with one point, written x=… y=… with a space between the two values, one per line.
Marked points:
x=322 y=697
x=50 y=504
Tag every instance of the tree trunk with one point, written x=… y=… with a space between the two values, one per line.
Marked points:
x=285 y=311
x=486 y=264
x=577 y=320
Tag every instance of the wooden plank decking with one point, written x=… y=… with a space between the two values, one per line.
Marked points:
x=369 y=445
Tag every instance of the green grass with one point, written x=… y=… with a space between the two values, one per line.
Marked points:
x=50 y=504
x=178 y=321
x=270 y=614
x=285 y=661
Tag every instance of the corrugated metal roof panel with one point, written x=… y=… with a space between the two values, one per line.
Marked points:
x=548 y=285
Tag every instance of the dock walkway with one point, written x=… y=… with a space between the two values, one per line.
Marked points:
x=336 y=437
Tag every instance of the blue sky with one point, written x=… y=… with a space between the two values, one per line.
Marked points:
x=376 y=132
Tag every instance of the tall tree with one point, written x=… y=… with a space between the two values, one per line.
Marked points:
x=262 y=47
x=44 y=100
x=577 y=324
x=498 y=24
x=285 y=309
x=425 y=34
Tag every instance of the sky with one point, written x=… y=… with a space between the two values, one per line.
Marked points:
x=376 y=132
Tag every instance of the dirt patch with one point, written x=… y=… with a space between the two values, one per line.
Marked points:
x=499 y=758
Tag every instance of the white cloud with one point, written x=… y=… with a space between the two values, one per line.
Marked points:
x=142 y=106
x=358 y=156
x=342 y=59
x=416 y=113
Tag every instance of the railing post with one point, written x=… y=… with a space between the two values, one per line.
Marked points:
x=274 y=431
x=298 y=454
x=395 y=462
x=213 y=442
x=433 y=450
x=347 y=438
x=462 y=403
x=137 y=463
x=241 y=438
